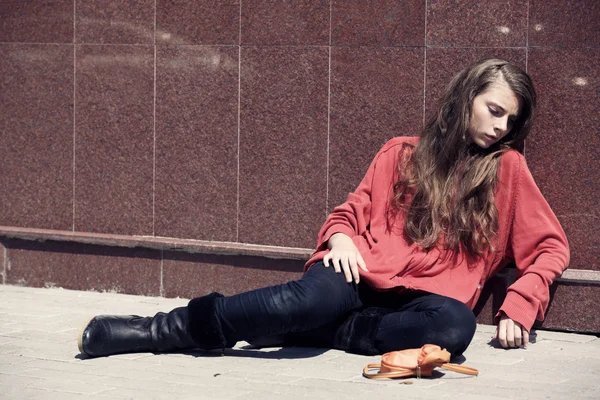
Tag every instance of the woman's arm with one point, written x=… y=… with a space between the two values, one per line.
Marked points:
x=353 y=217
x=541 y=253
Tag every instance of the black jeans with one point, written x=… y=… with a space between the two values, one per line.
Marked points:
x=311 y=310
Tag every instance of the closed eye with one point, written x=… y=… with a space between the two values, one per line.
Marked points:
x=495 y=112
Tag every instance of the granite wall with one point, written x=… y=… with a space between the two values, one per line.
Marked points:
x=248 y=121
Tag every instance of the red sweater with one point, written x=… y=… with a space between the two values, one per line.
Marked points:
x=529 y=234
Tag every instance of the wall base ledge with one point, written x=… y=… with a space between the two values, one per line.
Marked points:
x=158 y=243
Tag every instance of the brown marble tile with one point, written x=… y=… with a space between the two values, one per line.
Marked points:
x=444 y=63
x=196 y=142
x=36 y=135
x=573 y=308
x=283 y=144
x=285 y=22
x=554 y=23
x=197 y=22
x=114 y=139
x=115 y=21
x=192 y=275
x=562 y=151
x=39 y=21
x=491 y=23
x=376 y=94
x=83 y=267
x=381 y=22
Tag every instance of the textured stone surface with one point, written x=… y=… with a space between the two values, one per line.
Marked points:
x=283 y=145
x=492 y=23
x=83 y=267
x=197 y=22
x=115 y=21
x=444 y=63
x=380 y=23
x=376 y=94
x=39 y=359
x=36 y=135
x=196 y=142
x=574 y=308
x=114 y=139
x=560 y=23
x=299 y=22
x=39 y=21
x=562 y=151
x=193 y=275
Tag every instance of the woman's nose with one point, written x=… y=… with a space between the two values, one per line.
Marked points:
x=501 y=125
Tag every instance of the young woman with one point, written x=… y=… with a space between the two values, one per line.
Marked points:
x=402 y=262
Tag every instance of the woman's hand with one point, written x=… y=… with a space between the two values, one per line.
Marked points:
x=345 y=257
x=510 y=333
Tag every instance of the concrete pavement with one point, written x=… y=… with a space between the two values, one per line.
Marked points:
x=39 y=359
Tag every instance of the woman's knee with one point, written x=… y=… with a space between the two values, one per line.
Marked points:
x=455 y=327
x=439 y=320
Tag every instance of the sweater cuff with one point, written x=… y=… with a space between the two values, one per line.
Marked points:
x=518 y=309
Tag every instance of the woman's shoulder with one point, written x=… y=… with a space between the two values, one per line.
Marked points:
x=513 y=169
x=512 y=161
x=399 y=142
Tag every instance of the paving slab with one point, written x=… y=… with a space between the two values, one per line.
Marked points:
x=39 y=359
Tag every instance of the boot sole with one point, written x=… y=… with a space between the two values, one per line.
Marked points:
x=80 y=337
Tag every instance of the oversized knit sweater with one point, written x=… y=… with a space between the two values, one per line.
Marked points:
x=529 y=234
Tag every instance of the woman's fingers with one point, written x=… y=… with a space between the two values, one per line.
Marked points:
x=361 y=263
x=511 y=334
x=326 y=259
x=502 y=332
x=346 y=263
x=346 y=269
x=517 y=335
x=353 y=263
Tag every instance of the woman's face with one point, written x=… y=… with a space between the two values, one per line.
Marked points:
x=493 y=114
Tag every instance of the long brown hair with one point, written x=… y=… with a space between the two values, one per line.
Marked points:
x=446 y=184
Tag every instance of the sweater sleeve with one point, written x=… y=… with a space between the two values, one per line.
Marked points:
x=540 y=249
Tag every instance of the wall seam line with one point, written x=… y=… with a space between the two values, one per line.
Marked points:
x=526 y=55
x=162 y=281
x=4 y=262
x=425 y=65
x=527 y=37
x=154 y=135
x=239 y=111
x=327 y=158
x=74 y=112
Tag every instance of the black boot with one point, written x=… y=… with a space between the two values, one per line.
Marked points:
x=205 y=327
x=354 y=333
x=104 y=335
x=357 y=333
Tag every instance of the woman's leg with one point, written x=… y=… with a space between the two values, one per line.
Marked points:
x=214 y=321
x=318 y=298
x=427 y=318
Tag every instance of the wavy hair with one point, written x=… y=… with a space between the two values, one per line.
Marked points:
x=446 y=183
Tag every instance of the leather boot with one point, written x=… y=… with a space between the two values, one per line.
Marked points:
x=357 y=333
x=179 y=329
x=104 y=335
